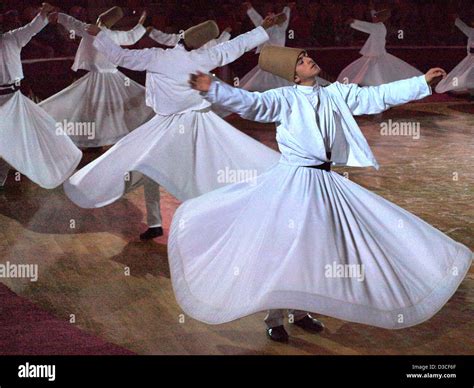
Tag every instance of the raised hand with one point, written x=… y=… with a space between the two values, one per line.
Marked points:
x=434 y=73
x=46 y=8
x=142 y=18
x=268 y=22
x=53 y=18
x=228 y=29
x=248 y=4
x=200 y=81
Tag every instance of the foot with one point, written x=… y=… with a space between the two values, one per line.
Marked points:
x=152 y=233
x=310 y=324
x=277 y=333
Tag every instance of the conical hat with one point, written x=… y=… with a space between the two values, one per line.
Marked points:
x=200 y=34
x=280 y=61
x=111 y=16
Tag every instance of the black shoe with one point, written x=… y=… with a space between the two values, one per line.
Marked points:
x=310 y=324
x=277 y=333
x=152 y=233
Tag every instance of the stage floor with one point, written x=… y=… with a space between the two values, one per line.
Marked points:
x=83 y=269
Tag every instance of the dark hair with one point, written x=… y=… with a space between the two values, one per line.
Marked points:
x=182 y=42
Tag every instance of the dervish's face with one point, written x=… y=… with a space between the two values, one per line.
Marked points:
x=306 y=68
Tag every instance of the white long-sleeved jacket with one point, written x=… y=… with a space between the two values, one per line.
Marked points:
x=302 y=114
x=11 y=43
x=167 y=87
x=87 y=57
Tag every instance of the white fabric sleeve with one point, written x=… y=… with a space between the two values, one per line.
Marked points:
x=163 y=38
x=227 y=52
x=255 y=17
x=127 y=38
x=264 y=107
x=363 y=26
x=376 y=99
x=72 y=25
x=139 y=60
x=24 y=34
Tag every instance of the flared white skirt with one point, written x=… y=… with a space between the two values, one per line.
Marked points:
x=188 y=154
x=373 y=71
x=461 y=78
x=99 y=108
x=311 y=240
x=30 y=143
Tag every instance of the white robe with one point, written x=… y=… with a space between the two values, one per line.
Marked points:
x=28 y=139
x=257 y=79
x=172 y=40
x=104 y=99
x=461 y=78
x=283 y=240
x=376 y=67
x=186 y=147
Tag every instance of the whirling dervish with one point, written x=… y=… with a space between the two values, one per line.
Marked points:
x=104 y=105
x=257 y=79
x=29 y=140
x=376 y=66
x=461 y=78
x=186 y=147
x=302 y=236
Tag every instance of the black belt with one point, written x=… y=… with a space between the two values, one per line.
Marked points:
x=326 y=166
x=471 y=50
x=10 y=89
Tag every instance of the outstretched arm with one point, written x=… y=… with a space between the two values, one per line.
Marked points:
x=254 y=16
x=468 y=31
x=363 y=26
x=139 y=60
x=24 y=34
x=163 y=38
x=126 y=38
x=263 y=107
x=376 y=99
x=74 y=26
x=224 y=37
x=227 y=52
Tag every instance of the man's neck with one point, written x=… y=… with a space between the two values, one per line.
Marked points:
x=309 y=82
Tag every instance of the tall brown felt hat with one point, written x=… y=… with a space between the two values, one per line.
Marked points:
x=280 y=61
x=111 y=16
x=200 y=34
